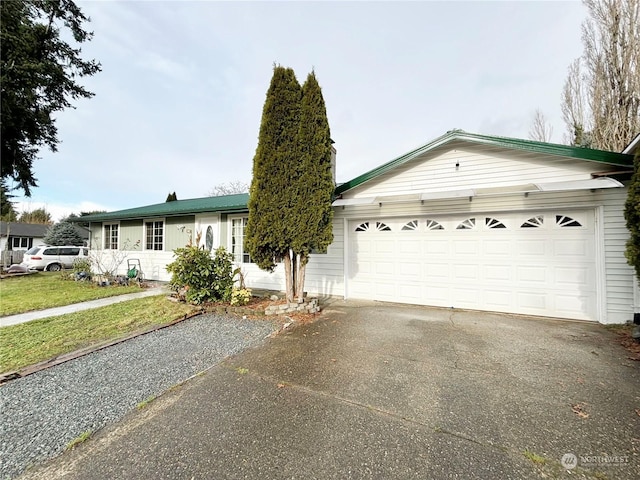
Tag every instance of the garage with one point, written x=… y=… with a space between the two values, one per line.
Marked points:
x=535 y=263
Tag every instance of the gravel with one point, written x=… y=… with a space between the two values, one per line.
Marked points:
x=42 y=413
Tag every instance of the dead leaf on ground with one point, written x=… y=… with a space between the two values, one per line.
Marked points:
x=638 y=411
x=282 y=385
x=579 y=409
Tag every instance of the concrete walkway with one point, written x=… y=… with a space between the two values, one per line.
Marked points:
x=78 y=307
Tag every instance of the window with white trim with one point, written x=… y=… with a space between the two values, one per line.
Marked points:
x=21 y=243
x=238 y=250
x=154 y=235
x=111 y=236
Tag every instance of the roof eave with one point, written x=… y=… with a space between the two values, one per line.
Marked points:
x=586 y=154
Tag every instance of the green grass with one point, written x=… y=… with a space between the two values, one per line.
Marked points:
x=31 y=342
x=79 y=439
x=47 y=289
x=534 y=457
x=145 y=403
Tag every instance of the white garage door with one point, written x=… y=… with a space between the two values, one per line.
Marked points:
x=539 y=264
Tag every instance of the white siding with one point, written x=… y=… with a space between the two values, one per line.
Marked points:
x=152 y=262
x=324 y=275
x=478 y=166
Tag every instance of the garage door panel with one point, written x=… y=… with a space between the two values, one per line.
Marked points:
x=437 y=271
x=532 y=247
x=572 y=277
x=497 y=272
x=385 y=269
x=384 y=247
x=466 y=272
x=410 y=270
x=465 y=297
x=573 y=248
x=546 y=268
x=500 y=248
x=499 y=299
x=465 y=247
x=409 y=247
x=532 y=274
x=532 y=301
x=436 y=247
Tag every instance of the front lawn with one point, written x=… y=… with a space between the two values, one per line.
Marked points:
x=31 y=342
x=47 y=289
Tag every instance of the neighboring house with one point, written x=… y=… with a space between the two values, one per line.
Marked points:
x=16 y=236
x=465 y=221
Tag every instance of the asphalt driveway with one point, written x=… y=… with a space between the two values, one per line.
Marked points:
x=388 y=391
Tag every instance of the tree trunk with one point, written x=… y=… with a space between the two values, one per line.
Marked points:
x=302 y=266
x=288 y=274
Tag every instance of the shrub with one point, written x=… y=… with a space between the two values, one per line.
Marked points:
x=202 y=277
x=240 y=296
x=81 y=269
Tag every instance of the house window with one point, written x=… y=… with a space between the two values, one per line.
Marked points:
x=533 y=222
x=468 y=224
x=111 y=236
x=493 y=223
x=154 y=235
x=238 y=226
x=564 y=221
x=412 y=225
x=433 y=225
x=21 y=243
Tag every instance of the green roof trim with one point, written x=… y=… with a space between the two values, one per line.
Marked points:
x=601 y=156
x=226 y=203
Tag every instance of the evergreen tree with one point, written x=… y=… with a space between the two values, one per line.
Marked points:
x=7 y=211
x=632 y=216
x=271 y=228
x=63 y=233
x=291 y=191
x=314 y=188
x=171 y=197
x=39 y=69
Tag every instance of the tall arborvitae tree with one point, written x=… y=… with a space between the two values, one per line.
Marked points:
x=313 y=213
x=171 y=197
x=270 y=229
x=291 y=192
x=632 y=216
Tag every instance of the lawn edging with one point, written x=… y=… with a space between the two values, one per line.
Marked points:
x=65 y=357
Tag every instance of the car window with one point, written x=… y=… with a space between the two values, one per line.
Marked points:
x=50 y=251
x=69 y=251
x=85 y=251
x=32 y=251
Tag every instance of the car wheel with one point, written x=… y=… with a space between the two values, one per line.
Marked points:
x=54 y=267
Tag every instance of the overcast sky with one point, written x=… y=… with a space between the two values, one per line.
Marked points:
x=178 y=103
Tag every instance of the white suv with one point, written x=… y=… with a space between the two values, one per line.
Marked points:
x=53 y=259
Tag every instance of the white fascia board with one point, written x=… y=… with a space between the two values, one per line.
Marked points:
x=589 y=184
x=448 y=194
x=354 y=201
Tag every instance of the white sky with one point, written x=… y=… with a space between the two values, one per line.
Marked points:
x=178 y=103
